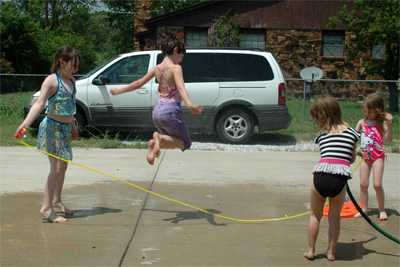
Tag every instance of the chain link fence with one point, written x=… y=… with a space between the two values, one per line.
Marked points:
x=349 y=90
x=12 y=83
x=345 y=90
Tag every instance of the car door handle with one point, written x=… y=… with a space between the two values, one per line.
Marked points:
x=142 y=91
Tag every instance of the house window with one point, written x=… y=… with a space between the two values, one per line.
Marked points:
x=378 y=50
x=196 y=38
x=332 y=43
x=253 y=40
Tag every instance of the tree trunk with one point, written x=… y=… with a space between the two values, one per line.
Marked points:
x=46 y=13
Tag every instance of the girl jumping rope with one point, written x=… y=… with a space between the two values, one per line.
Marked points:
x=337 y=142
x=58 y=127
x=376 y=125
x=167 y=113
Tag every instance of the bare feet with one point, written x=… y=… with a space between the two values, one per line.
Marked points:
x=52 y=216
x=358 y=215
x=157 y=151
x=63 y=209
x=383 y=216
x=329 y=256
x=150 y=152
x=309 y=255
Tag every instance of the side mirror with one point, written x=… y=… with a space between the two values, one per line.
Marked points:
x=101 y=80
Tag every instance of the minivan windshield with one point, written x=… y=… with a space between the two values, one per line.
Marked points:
x=99 y=67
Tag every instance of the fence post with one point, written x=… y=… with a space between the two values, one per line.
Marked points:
x=304 y=99
x=394 y=97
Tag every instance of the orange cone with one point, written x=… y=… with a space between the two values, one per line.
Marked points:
x=348 y=210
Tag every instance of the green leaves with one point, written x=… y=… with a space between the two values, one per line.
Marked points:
x=373 y=22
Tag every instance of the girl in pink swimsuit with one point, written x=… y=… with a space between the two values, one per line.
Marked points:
x=374 y=127
x=167 y=113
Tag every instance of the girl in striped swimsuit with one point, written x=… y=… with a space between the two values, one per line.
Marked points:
x=337 y=142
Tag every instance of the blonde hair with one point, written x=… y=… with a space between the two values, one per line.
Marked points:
x=66 y=53
x=326 y=113
x=375 y=102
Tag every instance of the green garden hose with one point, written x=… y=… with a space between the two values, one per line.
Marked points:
x=368 y=219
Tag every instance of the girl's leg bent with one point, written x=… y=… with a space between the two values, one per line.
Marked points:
x=57 y=171
x=166 y=141
x=365 y=170
x=335 y=208
x=162 y=141
x=317 y=205
x=377 y=173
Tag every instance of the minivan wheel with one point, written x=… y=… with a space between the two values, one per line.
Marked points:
x=235 y=126
x=80 y=122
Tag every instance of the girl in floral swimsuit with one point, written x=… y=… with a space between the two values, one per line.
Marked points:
x=58 y=128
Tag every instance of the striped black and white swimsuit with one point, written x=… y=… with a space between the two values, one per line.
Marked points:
x=336 y=151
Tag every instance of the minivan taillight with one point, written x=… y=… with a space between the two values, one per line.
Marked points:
x=282 y=94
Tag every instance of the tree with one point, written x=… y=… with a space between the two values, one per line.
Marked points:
x=19 y=42
x=28 y=46
x=121 y=16
x=375 y=22
x=225 y=32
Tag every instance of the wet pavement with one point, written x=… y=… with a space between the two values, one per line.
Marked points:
x=116 y=224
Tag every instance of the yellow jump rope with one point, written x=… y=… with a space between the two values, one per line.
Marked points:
x=164 y=197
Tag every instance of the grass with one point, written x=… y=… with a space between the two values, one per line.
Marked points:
x=301 y=129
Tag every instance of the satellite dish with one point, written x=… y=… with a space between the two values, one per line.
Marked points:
x=311 y=74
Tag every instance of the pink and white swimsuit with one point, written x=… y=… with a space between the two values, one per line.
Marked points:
x=372 y=143
x=173 y=92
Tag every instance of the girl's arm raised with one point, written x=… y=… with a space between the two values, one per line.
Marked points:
x=387 y=127
x=178 y=77
x=134 y=85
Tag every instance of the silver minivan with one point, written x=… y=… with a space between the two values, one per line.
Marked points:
x=238 y=89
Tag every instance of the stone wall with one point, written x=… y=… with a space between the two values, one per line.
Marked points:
x=165 y=31
x=298 y=49
x=143 y=12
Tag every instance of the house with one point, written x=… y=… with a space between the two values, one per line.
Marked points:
x=296 y=32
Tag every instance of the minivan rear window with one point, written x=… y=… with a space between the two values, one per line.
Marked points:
x=224 y=67
x=197 y=67
x=243 y=67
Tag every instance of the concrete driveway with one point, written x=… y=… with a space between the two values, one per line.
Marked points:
x=116 y=224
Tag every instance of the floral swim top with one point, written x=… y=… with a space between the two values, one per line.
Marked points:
x=62 y=102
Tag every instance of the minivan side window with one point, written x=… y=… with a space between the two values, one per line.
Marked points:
x=243 y=67
x=127 y=70
x=197 y=67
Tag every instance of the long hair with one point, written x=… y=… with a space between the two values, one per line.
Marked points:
x=168 y=46
x=375 y=102
x=326 y=113
x=66 y=53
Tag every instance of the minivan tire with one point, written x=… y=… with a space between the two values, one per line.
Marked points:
x=80 y=122
x=235 y=126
